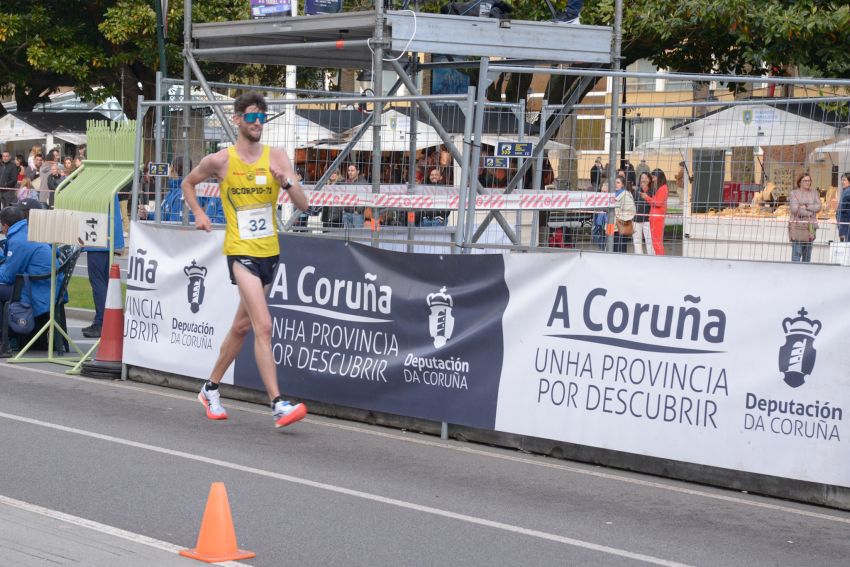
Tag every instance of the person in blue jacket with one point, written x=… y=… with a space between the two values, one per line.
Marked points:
x=97 y=261
x=24 y=257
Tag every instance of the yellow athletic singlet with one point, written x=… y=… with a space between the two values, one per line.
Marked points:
x=249 y=199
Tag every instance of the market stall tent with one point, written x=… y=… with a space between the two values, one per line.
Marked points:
x=20 y=130
x=750 y=126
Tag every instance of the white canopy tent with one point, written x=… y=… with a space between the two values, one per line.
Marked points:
x=395 y=135
x=304 y=132
x=744 y=126
x=836 y=153
x=20 y=130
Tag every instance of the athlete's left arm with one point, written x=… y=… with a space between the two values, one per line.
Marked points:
x=281 y=169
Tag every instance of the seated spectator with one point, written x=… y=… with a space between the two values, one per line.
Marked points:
x=433 y=218
x=27 y=204
x=24 y=257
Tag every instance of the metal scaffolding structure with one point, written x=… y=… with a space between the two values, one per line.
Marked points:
x=382 y=38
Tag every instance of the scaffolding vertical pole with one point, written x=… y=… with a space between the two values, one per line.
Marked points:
x=378 y=86
x=538 y=178
x=520 y=116
x=411 y=160
x=137 y=158
x=614 y=140
x=475 y=160
x=187 y=96
x=157 y=152
x=465 y=188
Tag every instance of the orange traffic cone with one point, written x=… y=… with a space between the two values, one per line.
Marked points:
x=217 y=540
x=107 y=361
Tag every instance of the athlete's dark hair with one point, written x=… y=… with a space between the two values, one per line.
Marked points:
x=251 y=98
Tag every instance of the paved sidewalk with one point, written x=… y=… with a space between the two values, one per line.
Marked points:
x=31 y=538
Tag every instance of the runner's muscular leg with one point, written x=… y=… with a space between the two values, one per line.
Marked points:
x=253 y=298
x=232 y=343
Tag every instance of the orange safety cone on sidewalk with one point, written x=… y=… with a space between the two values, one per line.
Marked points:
x=107 y=361
x=217 y=540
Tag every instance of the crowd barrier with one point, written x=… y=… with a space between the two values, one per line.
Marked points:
x=642 y=356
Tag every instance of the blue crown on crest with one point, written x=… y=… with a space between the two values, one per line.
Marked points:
x=801 y=325
x=194 y=269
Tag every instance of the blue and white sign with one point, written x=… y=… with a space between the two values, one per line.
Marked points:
x=495 y=162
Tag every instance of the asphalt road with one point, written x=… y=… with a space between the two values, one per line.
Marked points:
x=139 y=460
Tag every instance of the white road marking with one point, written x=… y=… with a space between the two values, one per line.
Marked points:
x=462 y=448
x=350 y=492
x=102 y=528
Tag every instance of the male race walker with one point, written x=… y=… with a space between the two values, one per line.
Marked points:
x=251 y=175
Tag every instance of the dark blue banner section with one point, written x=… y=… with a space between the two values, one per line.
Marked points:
x=418 y=335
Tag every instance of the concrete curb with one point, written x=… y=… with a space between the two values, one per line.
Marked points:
x=79 y=313
x=801 y=491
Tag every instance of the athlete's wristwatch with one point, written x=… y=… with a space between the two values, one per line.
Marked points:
x=287 y=185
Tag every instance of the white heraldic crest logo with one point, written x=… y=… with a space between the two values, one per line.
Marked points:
x=441 y=323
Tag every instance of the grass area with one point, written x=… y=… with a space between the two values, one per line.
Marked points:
x=79 y=293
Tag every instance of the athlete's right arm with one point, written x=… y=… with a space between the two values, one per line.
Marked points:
x=210 y=166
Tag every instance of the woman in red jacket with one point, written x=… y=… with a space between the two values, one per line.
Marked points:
x=657 y=210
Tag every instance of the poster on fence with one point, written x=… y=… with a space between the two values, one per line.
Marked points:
x=180 y=302
x=738 y=365
x=412 y=334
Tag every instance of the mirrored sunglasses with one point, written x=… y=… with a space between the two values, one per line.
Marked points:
x=251 y=117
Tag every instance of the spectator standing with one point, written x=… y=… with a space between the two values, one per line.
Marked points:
x=332 y=216
x=631 y=175
x=657 y=210
x=8 y=179
x=97 y=261
x=68 y=165
x=34 y=151
x=642 y=232
x=680 y=178
x=352 y=217
x=624 y=212
x=22 y=168
x=804 y=204
x=596 y=174
x=53 y=180
x=842 y=214
x=50 y=160
x=642 y=168
x=33 y=172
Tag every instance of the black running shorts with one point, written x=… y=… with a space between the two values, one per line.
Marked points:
x=263 y=268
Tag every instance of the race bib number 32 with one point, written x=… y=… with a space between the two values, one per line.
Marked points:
x=255 y=222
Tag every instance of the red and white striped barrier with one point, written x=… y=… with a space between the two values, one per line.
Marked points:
x=492 y=200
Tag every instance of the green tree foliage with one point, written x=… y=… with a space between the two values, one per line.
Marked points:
x=107 y=48
x=733 y=36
